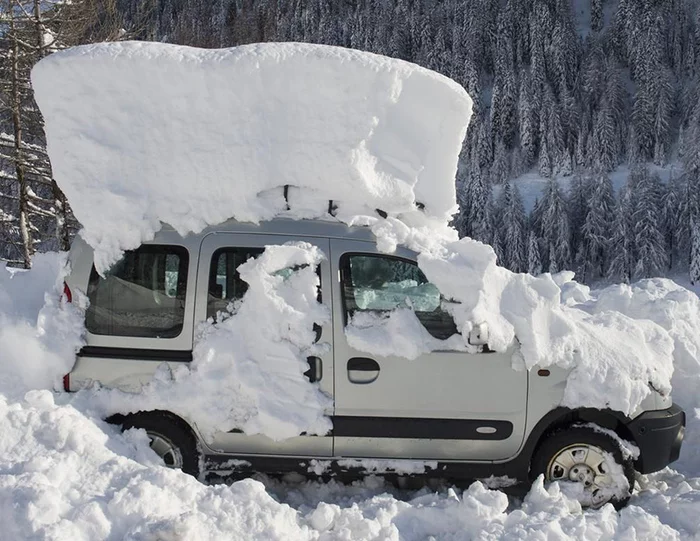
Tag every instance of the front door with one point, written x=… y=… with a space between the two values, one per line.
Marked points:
x=219 y=284
x=445 y=404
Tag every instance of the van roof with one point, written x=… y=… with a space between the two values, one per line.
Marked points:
x=288 y=226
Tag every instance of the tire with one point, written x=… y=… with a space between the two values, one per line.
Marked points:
x=171 y=439
x=576 y=455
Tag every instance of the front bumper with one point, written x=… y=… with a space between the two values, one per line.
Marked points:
x=659 y=435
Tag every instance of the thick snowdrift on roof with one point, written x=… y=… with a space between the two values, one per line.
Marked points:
x=143 y=133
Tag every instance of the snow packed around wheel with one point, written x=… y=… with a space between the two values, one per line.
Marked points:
x=142 y=134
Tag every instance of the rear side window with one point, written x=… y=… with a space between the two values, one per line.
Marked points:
x=225 y=284
x=142 y=295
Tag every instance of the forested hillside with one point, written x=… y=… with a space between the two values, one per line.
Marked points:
x=565 y=89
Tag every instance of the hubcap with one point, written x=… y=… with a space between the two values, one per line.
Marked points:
x=585 y=464
x=166 y=450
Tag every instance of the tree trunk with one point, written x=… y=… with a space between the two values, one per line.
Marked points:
x=23 y=195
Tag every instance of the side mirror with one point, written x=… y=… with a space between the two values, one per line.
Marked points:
x=479 y=335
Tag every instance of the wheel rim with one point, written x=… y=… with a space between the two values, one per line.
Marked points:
x=166 y=450
x=584 y=464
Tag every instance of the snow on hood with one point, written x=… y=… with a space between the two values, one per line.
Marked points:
x=143 y=133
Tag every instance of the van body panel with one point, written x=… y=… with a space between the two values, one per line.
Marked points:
x=479 y=397
x=237 y=442
x=128 y=375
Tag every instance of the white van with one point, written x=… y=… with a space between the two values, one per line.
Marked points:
x=467 y=415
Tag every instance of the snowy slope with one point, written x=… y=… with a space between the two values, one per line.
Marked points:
x=532 y=185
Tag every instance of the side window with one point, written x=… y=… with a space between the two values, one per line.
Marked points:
x=142 y=295
x=225 y=284
x=380 y=283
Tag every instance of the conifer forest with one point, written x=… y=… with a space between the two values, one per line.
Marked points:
x=583 y=152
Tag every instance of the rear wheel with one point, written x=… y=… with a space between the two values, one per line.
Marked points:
x=170 y=438
x=591 y=459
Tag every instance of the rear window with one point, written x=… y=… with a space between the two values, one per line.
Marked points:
x=225 y=284
x=142 y=295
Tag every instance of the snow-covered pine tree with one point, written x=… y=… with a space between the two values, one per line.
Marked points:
x=527 y=121
x=479 y=222
x=534 y=263
x=596 y=15
x=621 y=263
x=555 y=229
x=649 y=247
x=597 y=228
x=695 y=250
x=510 y=225
x=545 y=160
x=499 y=168
x=460 y=220
x=670 y=206
x=689 y=189
x=577 y=207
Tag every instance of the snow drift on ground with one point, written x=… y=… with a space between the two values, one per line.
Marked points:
x=38 y=336
x=248 y=369
x=66 y=475
x=143 y=133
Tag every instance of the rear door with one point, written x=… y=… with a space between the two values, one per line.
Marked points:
x=218 y=283
x=441 y=405
x=140 y=314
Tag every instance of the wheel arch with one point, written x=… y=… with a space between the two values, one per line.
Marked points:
x=562 y=418
x=121 y=418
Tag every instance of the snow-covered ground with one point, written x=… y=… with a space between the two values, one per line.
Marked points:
x=65 y=474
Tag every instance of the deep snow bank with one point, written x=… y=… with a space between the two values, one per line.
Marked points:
x=39 y=335
x=64 y=474
x=142 y=133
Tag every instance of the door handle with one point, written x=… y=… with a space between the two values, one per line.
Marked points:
x=315 y=371
x=363 y=364
x=362 y=370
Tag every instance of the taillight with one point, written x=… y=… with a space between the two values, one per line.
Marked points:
x=66 y=382
x=67 y=293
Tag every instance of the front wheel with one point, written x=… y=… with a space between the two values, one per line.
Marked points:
x=170 y=438
x=589 y=458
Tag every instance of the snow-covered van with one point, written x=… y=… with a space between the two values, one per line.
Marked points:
x=447 y=412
